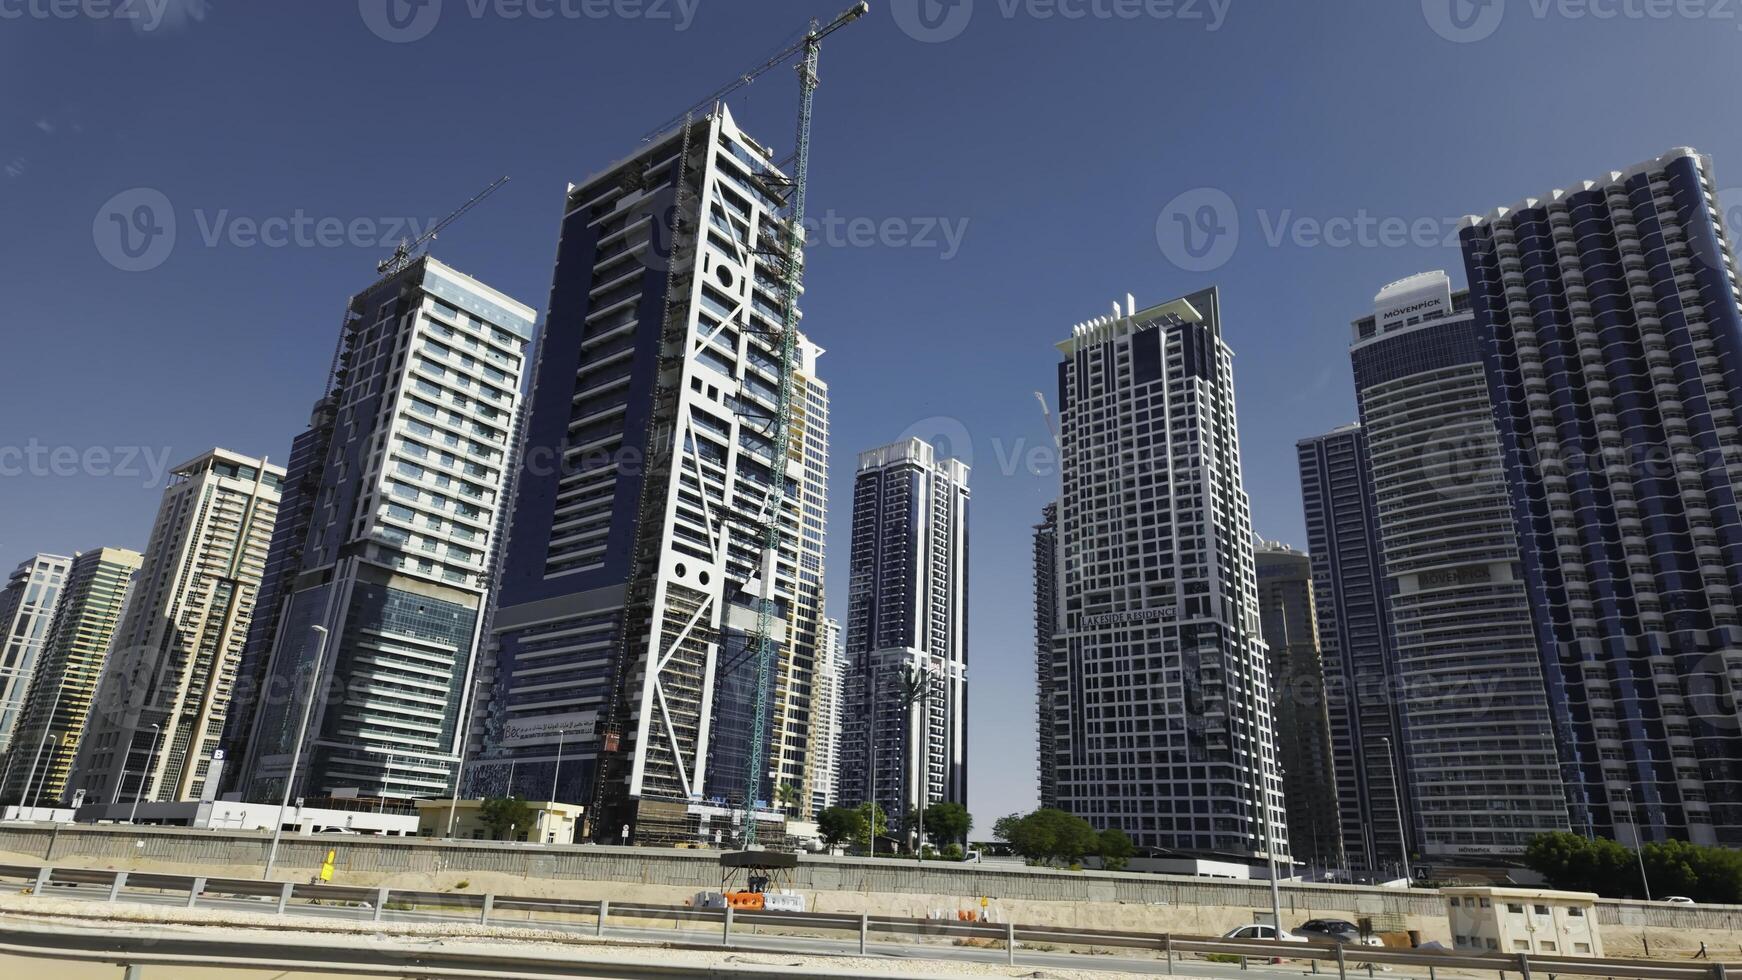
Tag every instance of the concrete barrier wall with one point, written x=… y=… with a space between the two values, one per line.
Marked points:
x=1657 y=915
x=694 y=870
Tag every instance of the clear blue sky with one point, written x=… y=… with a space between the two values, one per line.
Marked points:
x=1059 y=141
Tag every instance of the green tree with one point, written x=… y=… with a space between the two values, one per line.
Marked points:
x=505 y=817
x=1115 y=849
x=839 y=824
x=876 y=824
x=948 y=822
x=1048 y=836
x=787 y=794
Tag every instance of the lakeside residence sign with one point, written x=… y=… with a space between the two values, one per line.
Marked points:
x=1130 y=617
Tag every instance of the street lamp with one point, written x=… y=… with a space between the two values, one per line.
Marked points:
x=560 y=735
x=1638 y=839
x=320 y=633
x=460 y=759
x=1397 y=799
x=144 y=774
x=47 y=729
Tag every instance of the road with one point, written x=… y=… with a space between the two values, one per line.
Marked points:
x=743 y=937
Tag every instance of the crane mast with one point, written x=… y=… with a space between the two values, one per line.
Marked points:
x=792 y=276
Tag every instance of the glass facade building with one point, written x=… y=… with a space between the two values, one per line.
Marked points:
x=26 y=611
x=1483 y=774
x=1355 y=642
x=1612 y=341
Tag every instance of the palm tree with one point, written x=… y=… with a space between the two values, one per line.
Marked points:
x=787 y=795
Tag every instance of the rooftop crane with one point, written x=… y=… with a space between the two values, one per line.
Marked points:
x=791 y=275
x=407 y=250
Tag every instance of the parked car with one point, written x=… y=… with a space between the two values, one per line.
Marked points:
x=1259 y=930
x=1336 y=931
x=1679 y=900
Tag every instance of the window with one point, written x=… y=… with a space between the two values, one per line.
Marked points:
x=1514 y=908
x=1571 y=913
x=1542 y=910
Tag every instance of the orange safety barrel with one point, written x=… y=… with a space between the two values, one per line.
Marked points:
x=744 y=900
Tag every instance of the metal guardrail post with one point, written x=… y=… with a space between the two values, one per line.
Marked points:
x=380 y=903
x=604 y=910
x=116 y=885
x=194 y=890
x=284 y=896
x=1719 y=973
x=42 y=876
x=726 y=936
x=489 y=903
x=864 y=932
x=1010 y=943
x=1524 y=965
x=1342 y=964
x=1167 y=947
x=132 y=971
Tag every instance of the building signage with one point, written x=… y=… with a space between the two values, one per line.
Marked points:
x=1468 y=575
x=1129 y=617
x=575 y=726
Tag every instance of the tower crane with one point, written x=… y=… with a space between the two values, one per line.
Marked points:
x=407 y=250
x=791 y=263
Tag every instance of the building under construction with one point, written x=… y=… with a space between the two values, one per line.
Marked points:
x=628 y=673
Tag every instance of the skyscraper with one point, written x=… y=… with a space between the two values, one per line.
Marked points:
x=1164 y=728
x=166 y=686
x=98 y=585
x=1046 y=617
x=626 y=673
x=401 y=516
x=1297 y=683
x=827 y=691
x=26 y=611
x=907 y=618
x=1355 y=642
x=1613 y=343
x=1483 y=776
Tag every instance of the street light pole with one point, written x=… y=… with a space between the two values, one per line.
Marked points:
x=47 y=729
x=144 y=773
x=320 y=633
x=561 y=734
x=1397 y=799
x=460 y=760
x=1638 y=840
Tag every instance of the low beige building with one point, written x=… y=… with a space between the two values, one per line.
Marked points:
x=1523 y=920
x=552 y=823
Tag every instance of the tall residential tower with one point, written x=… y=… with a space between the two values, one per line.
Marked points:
x=1164 y=726
x=401 y=513
x=1613 y=347
x=626 y=673
x=167 y=687
x=26 y=611
x=904 y=735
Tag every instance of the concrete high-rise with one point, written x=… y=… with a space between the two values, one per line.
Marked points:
x=1613 y=345
x=46 y=739
x=1355 y=642
x=168 y=682
x=907 y=619
x=403 y=471
x=1297 y=684
x=1483 y=775
x=626 y=673
x=1046 y=618
x=26 y=612
x=1163 y=725
x=827 y=691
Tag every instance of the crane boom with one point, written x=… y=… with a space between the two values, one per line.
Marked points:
x=408 y=248
x=781 y=57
